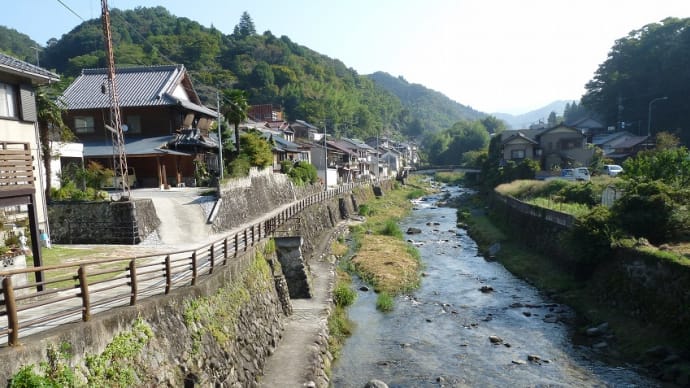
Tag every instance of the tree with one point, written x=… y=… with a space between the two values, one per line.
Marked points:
x=51 y=127
x=553 y=119
x=235 y=110
x=246 y=26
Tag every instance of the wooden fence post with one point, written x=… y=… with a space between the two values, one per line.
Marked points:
x=133 y=282
x=11 y=307
x=194 y=268
x=84 y=287
x=168 y=275
x=212 y=258
x=225 y=251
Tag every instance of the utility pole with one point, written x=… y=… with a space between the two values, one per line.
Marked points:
x=325 y=159
x=115 y=118
x=220 y=140
x=649 y=117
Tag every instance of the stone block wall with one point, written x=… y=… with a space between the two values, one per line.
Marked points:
x=102 y=222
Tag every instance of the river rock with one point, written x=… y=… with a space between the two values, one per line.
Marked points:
x=375 y=384
x=494 y=339
x=364 y=288
x=527 y=313
x=486 y=289
x=412 y=230
x=519 y=362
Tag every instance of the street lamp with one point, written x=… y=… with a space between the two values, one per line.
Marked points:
x=649 y=116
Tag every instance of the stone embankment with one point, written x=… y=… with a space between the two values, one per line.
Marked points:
x=222 y=330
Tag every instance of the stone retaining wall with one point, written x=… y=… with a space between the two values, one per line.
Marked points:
x=102 y=222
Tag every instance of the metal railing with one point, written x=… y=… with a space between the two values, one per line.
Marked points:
x=76 y=291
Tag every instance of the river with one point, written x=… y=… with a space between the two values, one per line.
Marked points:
x=440 y=335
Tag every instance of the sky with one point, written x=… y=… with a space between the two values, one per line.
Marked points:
x=508 y=56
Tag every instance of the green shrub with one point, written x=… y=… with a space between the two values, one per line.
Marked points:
x=579 y=193
x=391 y=228
x=364 y=210
x=647 y=210
x=590 y=240
x=303 y=173
x=384 y=302
x=416 y=193
x=343 y=295
x=239 y=167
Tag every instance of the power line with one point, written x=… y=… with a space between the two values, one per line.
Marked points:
x=71 y=10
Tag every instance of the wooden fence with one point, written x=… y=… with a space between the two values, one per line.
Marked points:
x=77 y=291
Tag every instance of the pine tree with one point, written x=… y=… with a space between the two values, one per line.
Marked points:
x=246 y=27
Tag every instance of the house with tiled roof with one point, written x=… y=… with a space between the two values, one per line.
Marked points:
x=558 y=146
x=165 y=124
x=20 y=178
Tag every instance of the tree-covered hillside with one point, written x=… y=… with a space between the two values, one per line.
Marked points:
x=642 y=68
x=434 y=110
x=270 y=69
x=18 y=45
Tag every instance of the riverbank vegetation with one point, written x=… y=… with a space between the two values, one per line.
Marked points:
x=383 y=259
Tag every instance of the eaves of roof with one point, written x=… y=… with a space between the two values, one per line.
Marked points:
x=18 y=67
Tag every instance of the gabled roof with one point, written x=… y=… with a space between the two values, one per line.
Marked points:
x=560 y=126
x=518 y=135
x=15 y=66
x=139 y=86
x=527 y=133
x=630 y=142
x=606 y=138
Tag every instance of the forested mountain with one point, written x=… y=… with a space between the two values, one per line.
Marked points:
x=642 y=68
x=18 y=45
x=434 y=110
x=270 y=69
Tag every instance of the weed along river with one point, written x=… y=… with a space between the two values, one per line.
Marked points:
x=470 y=324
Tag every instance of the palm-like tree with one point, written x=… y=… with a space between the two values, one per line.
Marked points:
x=235 y=110
x=51 y=127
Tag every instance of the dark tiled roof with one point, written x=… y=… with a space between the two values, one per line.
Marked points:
x=15 y=66
x=136 y=87
x=133 y=146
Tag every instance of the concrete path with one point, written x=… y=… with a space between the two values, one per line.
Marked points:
x=291 y=363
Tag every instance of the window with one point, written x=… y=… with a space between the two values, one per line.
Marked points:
x=133 y=124
x=8 y=100
x=517 y=154
x=84 y=124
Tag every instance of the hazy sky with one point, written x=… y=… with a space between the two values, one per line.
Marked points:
x=508 y=56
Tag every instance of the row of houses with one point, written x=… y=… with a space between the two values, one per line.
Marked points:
x=167 y=132
x=569 y=145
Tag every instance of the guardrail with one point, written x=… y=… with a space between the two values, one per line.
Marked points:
x=74 y=292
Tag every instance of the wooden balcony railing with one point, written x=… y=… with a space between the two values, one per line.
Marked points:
x=16 y=168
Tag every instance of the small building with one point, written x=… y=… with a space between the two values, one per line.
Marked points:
x=165 y=125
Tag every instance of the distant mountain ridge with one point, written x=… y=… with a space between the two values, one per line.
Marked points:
x=434 y=109
x=526 y=119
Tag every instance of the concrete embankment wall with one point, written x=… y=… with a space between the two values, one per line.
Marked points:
x=189 y=345
x=648 y=288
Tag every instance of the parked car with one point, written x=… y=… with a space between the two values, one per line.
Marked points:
x=116 y=181
x=611 y=169
x=573 y=174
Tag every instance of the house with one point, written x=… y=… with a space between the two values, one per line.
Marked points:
x=558 y=146
x=20 y=178
x=165 y=125
x=284 y=149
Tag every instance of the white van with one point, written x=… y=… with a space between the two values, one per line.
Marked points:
x=573 y=174
x=611 y=169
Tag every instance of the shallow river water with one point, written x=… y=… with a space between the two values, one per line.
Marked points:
x=440 y=334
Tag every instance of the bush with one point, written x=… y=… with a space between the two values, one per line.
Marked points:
x=343 y=295
x=647 y=210
x=579 y=193
x=590 y=240
x=239 y=167
x=384 y=302
x=364 y=210
x=391 y=228
x=303 y=173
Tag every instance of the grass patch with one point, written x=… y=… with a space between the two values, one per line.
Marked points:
x=575 y=209
x=386 y=264
x=339 y=326
x=449 y=177
x=384 y=302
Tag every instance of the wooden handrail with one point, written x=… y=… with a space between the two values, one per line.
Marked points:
x=189 y=260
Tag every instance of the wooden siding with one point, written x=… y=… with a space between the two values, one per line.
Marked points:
x=16 y=170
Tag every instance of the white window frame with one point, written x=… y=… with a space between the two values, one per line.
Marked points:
x=8 y=101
